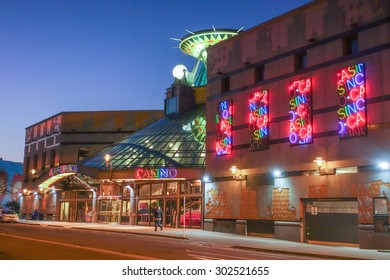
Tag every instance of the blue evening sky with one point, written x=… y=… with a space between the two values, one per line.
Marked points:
x=93 y=55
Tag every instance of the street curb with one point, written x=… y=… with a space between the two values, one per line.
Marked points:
x=132 y=232
x=30 y=224
x=296 y=253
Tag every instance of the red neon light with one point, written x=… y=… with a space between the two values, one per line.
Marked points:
x=259 y=120
x=301 y=123
x=351 y=87
x=223 y=145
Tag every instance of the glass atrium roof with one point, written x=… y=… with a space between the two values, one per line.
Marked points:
x=177 y=140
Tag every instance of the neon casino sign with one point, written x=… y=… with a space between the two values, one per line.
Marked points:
x=259 y=121
x=224 y=128
x=141 y=173
x=351 y=87
x=63 y=169
x=301 y=117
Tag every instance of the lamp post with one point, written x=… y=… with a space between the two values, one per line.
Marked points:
x=25 y=201
x=33 y=175
x=107 y=158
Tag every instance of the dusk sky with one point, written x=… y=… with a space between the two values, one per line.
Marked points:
x=65 y=55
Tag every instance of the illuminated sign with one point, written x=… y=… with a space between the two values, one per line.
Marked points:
x=259 y=121
x=301 y=123
x=70 y=168
x=224 y=128
x=351 y=87
x=141 y=173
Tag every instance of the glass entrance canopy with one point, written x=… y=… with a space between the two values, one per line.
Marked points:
x=177 y=140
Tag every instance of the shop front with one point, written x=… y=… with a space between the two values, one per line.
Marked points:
x=181 y=202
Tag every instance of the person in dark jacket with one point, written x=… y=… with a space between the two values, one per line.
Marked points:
x=158 y=215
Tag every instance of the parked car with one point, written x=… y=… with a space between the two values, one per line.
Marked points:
x=8 y=216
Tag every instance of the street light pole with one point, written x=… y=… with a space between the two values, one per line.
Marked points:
x=107 y=158
x=25 y=201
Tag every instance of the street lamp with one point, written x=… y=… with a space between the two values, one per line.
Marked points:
x=25 y=192
x=107 y=158
x=33 y=174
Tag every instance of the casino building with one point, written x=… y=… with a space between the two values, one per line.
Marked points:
x=54 y=145
x=159 y=163
x=298 y=127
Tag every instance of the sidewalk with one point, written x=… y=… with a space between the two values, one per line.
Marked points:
x=230 y=240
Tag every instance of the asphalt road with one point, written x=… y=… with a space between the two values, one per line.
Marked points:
x=26 y=242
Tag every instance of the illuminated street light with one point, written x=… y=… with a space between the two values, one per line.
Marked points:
x=384 y=165
x=277 y=173
x=206 y=179
x=107 y=158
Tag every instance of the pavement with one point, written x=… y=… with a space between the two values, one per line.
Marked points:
x=250 y=243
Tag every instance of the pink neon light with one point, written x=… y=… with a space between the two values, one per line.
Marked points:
x=301 y=127
x=352 y=101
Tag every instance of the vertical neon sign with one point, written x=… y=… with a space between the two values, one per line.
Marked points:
x=351 y=88
x=224 y=128
x=259 y=120
x=301 y=116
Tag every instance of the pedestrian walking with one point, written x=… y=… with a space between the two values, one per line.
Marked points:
x=158 y=215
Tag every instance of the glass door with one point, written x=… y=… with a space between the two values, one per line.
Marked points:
x=191 y=212
x=64 y=212
x=72 y=211
x=171 y=213
x=109 y=211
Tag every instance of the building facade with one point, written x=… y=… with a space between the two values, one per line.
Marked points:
x=159 y=165
x=54 y=145
x=298 y=126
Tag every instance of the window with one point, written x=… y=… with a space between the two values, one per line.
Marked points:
x=26 y=169
x=259 y=73
x=191 y=187
x=351 y=45
x=157 y=189
x=43 y=161
x=171 y=105
x=144 y=190
x=52 y=158
x=172 y=188
x=300 y=61
x=35 y=162
x=225 y=84
x=83 y=153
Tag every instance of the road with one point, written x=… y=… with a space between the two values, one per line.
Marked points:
x=26 y=242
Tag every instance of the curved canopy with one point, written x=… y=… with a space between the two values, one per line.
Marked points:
x=177 y=140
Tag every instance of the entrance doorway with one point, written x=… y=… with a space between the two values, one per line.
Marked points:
x=109 y=210
x=171 y=213
x=332 y=220
x=191 y=212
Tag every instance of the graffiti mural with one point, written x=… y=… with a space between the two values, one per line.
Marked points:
x=218 y=204
x=10 y=181
x=281 y=208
